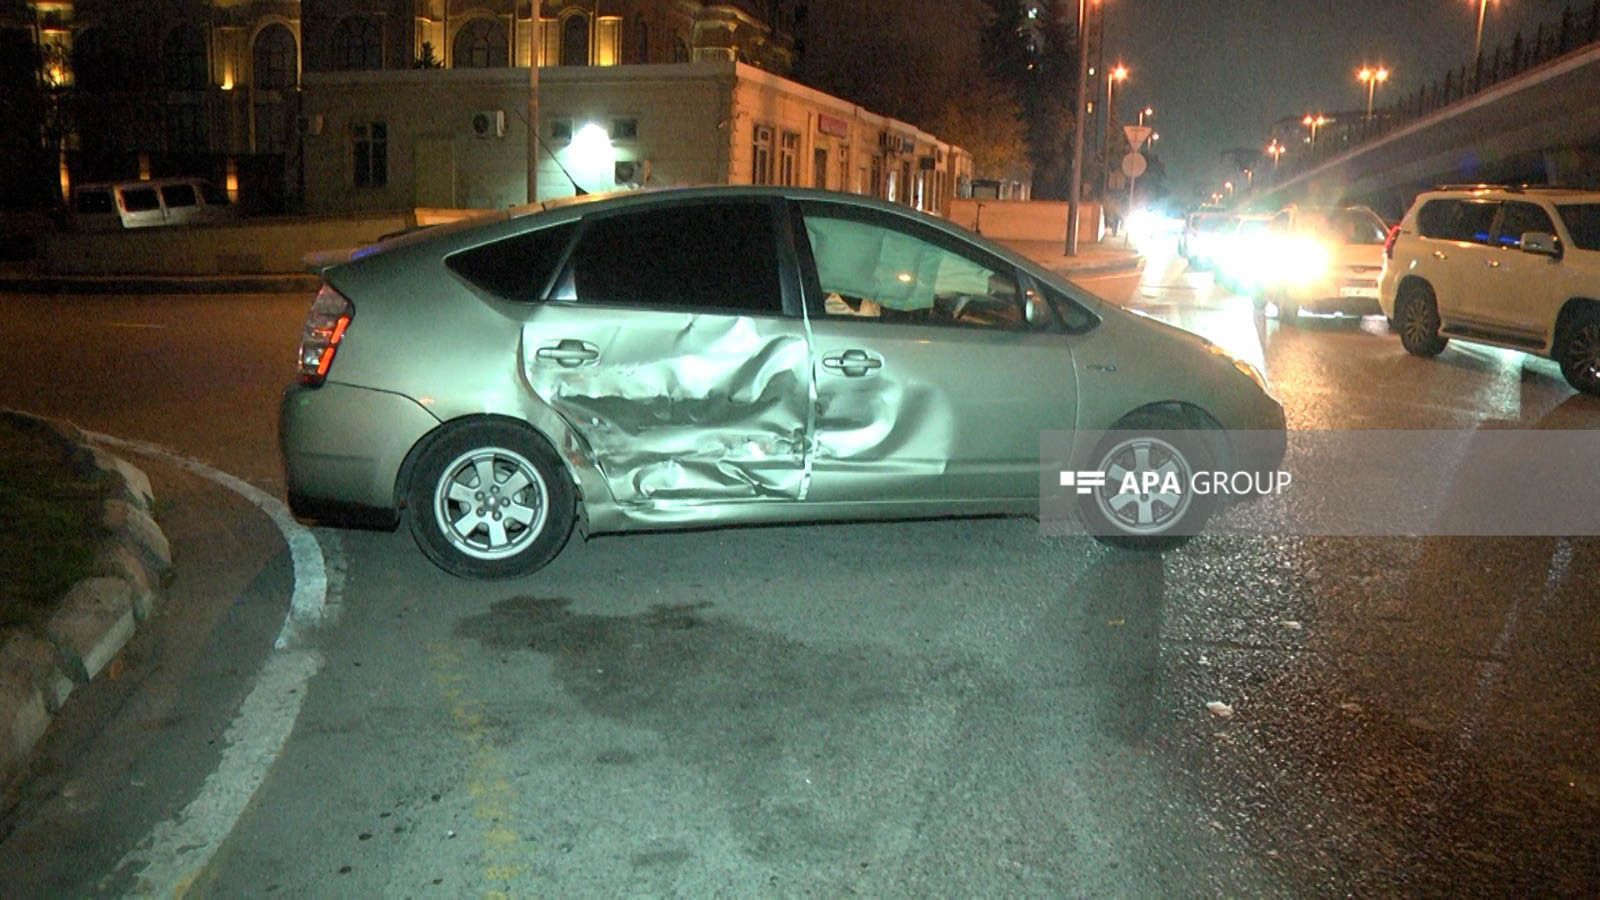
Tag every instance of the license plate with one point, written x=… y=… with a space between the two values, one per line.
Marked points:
x=1370 y=292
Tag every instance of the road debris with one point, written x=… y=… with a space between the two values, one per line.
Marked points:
x=1219 y=709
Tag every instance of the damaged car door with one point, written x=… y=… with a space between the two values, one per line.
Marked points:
x=932 y=385
x=664 y=343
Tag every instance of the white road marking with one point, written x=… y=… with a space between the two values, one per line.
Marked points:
x=176 y=852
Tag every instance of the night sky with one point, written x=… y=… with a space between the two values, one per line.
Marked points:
x=1219 y=72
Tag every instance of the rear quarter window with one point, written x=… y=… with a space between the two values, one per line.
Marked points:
x=516 y=268
x=1583 y=224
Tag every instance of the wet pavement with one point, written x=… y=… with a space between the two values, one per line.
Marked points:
x=924 y=708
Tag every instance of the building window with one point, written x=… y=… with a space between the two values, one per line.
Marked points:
x=575 y=40
x=370 y=143
x=560 y=129
x=761 y=156
x=819 y=168
x=639 y=43
x=680 y=50
x=624 y=129
x=186 y=128
x=183 y=59
x=98 y=64
x=274 y=59
x=357 y=45
x=789 y=159
x=482 y=44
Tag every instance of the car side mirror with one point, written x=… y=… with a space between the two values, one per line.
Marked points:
x=1541 y=244
x=1038 y=311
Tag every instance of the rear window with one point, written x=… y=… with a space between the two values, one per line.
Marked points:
x=1583 y=224
x=93 y=202
x=715 y=256
x=141 y=199
x=517 y=268
x=176 y=195
x=1352 y=227
x=1458 y=220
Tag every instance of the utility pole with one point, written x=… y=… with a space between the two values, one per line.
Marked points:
x=535 y=39
x=1075 y=200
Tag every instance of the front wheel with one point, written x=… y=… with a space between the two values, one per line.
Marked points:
x=490 y=500
x=1417 y=315
x=1147 y=502
x=1578 y=350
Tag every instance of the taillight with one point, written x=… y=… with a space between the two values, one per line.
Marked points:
x=325 y=327
x=1388 y=242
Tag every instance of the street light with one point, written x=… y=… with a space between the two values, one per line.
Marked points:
x=1147 y=111
x=1313 y=123
x=1120 y=73
x=1079 y=111
x=1477 y=42
x=1372 y=78
x=1275 y=150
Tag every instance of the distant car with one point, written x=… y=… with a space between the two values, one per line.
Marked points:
x=720 y=356
x=1240 y=255
x=1324 y=261
x=1202 y=236
x=110 y=206
x=1510 y=267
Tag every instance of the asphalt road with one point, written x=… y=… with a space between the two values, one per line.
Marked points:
x=951 y=708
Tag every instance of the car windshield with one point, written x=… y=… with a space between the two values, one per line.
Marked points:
x=1583 y=224
x=1346 y=226
x=1252 y=226
x=1213 y=223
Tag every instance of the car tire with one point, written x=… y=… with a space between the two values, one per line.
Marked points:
x=1170 y=443
x=1577 y=349
x=513 y=528
x=1417 y=316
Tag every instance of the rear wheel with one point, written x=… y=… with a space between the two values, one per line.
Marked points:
x=1417 y=316
x=1578 y=350
x=490 y=500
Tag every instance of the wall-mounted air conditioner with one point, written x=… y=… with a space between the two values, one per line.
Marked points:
x=489 y=123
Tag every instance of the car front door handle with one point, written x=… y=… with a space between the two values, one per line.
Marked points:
x=852 y=363
x=570 y=353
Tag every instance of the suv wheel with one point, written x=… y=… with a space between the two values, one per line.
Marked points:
x=490 y=500
x=1578 y=350
x=1417 y=317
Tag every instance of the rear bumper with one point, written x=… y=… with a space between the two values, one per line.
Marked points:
x=1341 y=306
x=343 y=447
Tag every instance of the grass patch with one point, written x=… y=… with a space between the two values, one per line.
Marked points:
x=51 y=499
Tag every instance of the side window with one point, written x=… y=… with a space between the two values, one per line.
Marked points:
x=706 y=256
x=1519 y=219
x=178 y=195
x=1458 y=220
x=869 y=270
x=516 y=268
x=141 y=199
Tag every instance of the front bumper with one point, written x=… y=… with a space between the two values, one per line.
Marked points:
x=343 y=447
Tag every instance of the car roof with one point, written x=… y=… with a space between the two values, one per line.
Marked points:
x=1493 y=191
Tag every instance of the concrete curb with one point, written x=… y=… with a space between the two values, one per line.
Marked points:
x=158 y=284
x=93 y=620
x=1105 y=268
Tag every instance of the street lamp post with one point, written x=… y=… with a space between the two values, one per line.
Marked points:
x=1477 y=42
x=1275 y=150
x=1078 y=114
x=1120 y=73
x=1147 y=111
x=1313 y=123
x=1372 y=78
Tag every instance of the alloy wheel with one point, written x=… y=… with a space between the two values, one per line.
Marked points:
x=491 y=503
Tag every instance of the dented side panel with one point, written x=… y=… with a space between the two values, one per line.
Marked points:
x=679 y=408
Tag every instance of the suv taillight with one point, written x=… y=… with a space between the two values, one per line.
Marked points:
x=1388 y=242
x=319 y=341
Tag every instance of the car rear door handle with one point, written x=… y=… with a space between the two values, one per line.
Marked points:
x=852 y=363
x=570 y=353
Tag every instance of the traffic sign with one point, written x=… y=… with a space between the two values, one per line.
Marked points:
x=1137 y=134
x=1134 y=164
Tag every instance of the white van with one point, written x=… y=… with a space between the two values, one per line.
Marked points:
x=143 y=204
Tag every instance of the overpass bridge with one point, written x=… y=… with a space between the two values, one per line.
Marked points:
x=1528 y=116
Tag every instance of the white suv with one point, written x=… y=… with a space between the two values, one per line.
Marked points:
x=1512 y=267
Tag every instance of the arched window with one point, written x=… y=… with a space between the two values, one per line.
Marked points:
x=575 y=40
x=183 y=59
x=274 y=58
x=357 y=44
x=639 y=41
x=97 y=65
x=482 y=44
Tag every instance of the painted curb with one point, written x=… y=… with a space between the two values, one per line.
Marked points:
x=93 y=620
